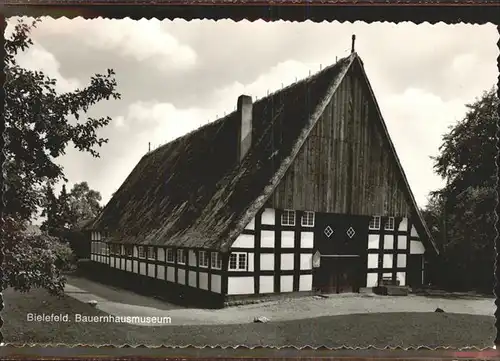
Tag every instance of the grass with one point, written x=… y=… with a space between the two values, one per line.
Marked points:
x=380 y=330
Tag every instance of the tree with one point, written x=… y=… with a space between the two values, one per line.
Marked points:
x=39 y=125
x=462 y=211
x=50 y=211
x=65 y=214
x=58 y=213
x=83 y=203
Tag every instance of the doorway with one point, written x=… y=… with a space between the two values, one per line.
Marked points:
x=414 y=270
x=337 y=274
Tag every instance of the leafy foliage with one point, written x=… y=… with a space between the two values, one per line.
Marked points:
x=461 y=214
x=69 y=210
x=65 y=258
x=38 y=128
x=68 y=213
x=33 y=261
x=37 y=131
x=83 y=204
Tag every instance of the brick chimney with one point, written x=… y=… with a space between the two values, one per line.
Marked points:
x=244 y=111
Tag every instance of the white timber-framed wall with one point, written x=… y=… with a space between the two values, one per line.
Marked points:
x=391 y=243
x=272 y=255
x=279 y=253
x=278 y=246
x=196 y=268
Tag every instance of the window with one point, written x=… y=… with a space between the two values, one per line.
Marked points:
x=288 y=218
x=129 y=251
x=181 y=256
x=308 y=219
x=374 y=223
x=141 y=252
x=170 y=255
x=203 y=259
x=389 y=224
x=238 y=261
x=242 y=261
x=151 y=253
x=216 y=260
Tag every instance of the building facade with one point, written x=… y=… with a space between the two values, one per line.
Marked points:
x=275 y=252
x=301 y=191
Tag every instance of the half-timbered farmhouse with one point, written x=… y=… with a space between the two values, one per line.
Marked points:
x=300 y=191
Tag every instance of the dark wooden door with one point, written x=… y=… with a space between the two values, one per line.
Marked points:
x=337 y=275
x=347 y=274
x=414 y=270
x=326 y=278
x=342 y=241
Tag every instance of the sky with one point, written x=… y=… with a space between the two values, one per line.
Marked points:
x=175 y=76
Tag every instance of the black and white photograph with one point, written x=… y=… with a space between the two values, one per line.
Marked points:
x=222 y=183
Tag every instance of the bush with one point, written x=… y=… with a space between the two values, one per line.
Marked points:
x=65 y=258
x=34 y=261
x=79 y=243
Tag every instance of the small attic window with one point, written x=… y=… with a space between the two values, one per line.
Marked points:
x=288 y=218
x=308 y=219
x=389 y=224
x=374 y=223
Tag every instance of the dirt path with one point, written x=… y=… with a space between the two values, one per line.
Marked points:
x=119 y=302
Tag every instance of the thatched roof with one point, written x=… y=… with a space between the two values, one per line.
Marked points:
x=193 y=191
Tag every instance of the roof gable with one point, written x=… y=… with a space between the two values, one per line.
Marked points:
x=345 y=165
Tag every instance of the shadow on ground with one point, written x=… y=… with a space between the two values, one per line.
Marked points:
x=119 y=295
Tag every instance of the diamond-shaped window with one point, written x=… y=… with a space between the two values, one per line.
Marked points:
x=328 y=231
x=350 y=232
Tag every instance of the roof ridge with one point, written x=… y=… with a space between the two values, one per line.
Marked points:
x=309 y=77
x=186 y=136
